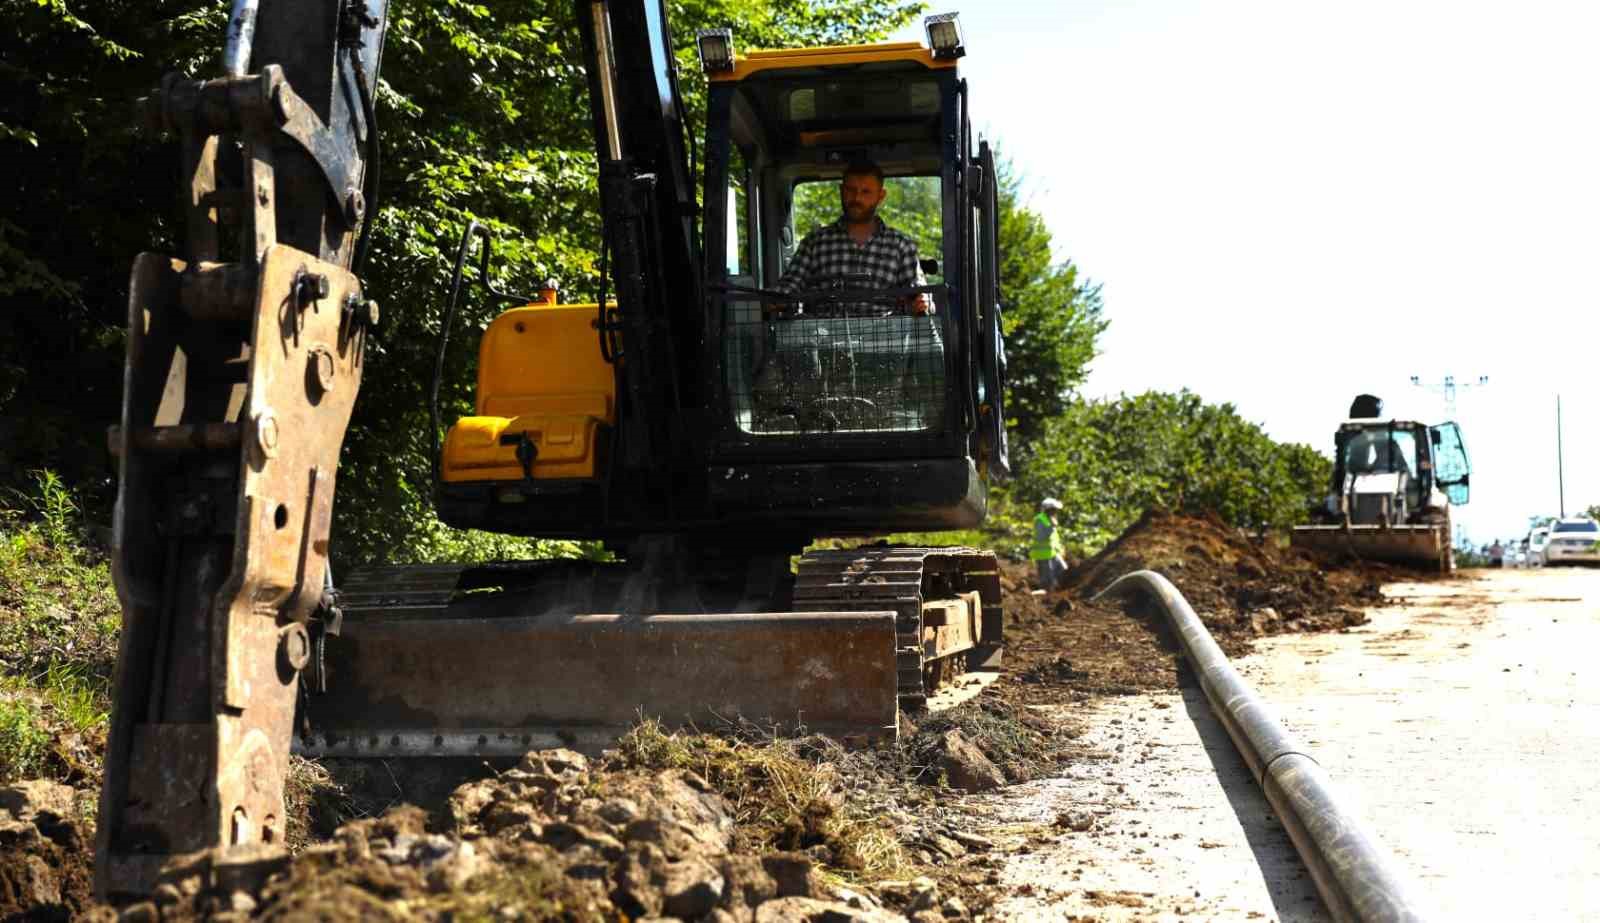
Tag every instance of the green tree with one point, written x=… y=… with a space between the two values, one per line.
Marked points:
x=483 y=108
x=1110 y=460
x=1052 y=316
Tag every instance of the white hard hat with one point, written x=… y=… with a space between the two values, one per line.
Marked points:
x=1049 y=503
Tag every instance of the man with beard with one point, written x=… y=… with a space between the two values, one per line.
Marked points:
x=858 y=250
x=852 y=365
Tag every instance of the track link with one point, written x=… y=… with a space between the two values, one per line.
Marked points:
x=913 y=582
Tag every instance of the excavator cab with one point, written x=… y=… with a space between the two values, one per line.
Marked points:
x=892 y=408
x=831 y=411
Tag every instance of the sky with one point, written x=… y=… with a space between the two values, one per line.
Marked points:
x=1290 y=203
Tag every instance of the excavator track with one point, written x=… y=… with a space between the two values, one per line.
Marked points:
x=946 y=602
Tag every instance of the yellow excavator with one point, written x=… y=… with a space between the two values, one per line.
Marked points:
x=703 y=423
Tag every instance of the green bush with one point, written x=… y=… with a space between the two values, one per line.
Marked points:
x=1110 y=460
x=24 y=741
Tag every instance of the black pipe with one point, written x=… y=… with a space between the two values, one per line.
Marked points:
x=1357 y=877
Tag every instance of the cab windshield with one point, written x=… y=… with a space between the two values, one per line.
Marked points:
x=840 y=341
x=1381 y=451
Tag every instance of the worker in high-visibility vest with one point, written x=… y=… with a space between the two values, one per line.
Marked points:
x=1046 y=548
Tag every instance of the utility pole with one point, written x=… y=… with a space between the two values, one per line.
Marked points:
x=1448 y=387
x=1561 y=478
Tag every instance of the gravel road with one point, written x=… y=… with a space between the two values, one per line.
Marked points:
x=1463 y=722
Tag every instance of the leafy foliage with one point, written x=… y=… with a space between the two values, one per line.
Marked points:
x=1051 y=316
x=483 y=108
x=1109 y=460
x=58 y=635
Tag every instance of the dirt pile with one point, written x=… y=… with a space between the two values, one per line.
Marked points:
x=44 y=849
x=1241 y=587
x=552 y=839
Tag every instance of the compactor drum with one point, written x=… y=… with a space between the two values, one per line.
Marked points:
x=1394 y=482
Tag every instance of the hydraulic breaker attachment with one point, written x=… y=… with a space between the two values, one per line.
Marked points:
x=244 y=358
x=229 y=444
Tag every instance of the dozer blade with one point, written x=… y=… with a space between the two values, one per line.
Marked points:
x=1420 y=545
x=483 y=685
x=494 y=660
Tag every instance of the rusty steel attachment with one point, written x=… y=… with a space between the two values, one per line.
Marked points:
x=242 y=369
x=424 y=668
x=219 y=574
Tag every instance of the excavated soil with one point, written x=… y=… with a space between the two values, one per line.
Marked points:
x=1242 y=587
x=730 y=828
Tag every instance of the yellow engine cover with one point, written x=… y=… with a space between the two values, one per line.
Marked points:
x=540 y=373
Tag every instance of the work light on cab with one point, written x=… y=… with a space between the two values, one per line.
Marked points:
x=944 y=35
x=716 y=49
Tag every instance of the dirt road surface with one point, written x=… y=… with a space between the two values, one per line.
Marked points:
x=1463 y=722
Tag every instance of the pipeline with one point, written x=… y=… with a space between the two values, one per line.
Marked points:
x=1356 y=876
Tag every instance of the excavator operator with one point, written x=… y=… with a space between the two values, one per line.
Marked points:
x=859 y=250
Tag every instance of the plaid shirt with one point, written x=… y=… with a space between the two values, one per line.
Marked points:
x=828 y=254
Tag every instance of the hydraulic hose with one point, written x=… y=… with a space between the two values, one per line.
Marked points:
x=1357 y=877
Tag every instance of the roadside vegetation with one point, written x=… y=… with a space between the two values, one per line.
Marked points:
x=59 y=621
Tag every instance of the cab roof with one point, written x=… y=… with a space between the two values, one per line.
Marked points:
x=756 y=62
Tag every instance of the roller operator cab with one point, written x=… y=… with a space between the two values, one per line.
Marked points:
x=826 y=409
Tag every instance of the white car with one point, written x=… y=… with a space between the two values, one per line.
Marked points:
x=1575 y=540
x=1536 y=542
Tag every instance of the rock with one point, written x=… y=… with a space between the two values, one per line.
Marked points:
x=562 y=836
x=635 y=892
x=241 y=902
x=793 y=873
x=467 y=804
x=747 y=882
x=950 y=848
x=142 y=912
x=1077 y=820
x=855 y=899
x=29 y=799
x=668 y=796
x=690 y=889
x=505 y=815
x=954 y=909
x=167 y=894
x=812 y=910
x=619 y=811
x=452 y=870
x=924 y=893
x=18 y=834
x=965 y=765
x=36 y=885
x=972 y=840
x=561 y=763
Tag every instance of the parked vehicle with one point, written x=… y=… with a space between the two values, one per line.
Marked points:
x=1575 y=540
x=1537 y=539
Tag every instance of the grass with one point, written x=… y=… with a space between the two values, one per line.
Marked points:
x=24 y=739
x=59 y=624
x=783 y=794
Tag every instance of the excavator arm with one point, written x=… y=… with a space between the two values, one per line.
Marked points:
x=244 y=359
